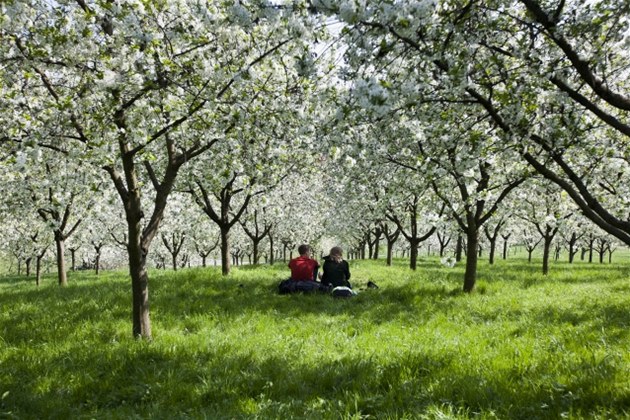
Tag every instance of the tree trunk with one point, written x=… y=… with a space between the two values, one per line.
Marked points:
x=139 y=289
x=556 y=254
x=377 y=245
x=390 y=247
x=472 y=243
x=28 y=266
x=225 y=251
x=137 y=253
x=271 y=254
x=413 y=254
x=572 y=250
x=370 y=245
x=546 y=252
x=529 y=255
x=459 y=247
x=61 y=264
x=38 y=268
x=97 y=263
x=73 y=251
x=505 y=246
x=443 y=243
x=493 y=245
x=255 y=251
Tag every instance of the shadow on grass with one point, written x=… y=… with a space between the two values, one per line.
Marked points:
x=175 y=297
x=162 y=382
x=46 y=313
x=230 y=299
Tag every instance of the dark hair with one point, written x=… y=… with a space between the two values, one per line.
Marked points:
x=303 y=249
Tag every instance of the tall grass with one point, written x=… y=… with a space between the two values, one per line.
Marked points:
x=522 y=346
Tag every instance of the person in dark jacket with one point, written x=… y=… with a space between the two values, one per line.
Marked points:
x=336 y=269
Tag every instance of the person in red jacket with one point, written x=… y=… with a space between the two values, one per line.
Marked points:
x=304 y=267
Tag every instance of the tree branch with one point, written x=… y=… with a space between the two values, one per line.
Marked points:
x=600 y=113
x=581 y=66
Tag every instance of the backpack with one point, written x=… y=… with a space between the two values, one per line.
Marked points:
x=343 y=292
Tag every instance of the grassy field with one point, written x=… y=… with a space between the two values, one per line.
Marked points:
x=522 y=346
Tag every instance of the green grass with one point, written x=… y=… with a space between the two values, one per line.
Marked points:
x=522 y=346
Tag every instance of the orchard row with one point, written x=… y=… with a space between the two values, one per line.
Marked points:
x=159 y=125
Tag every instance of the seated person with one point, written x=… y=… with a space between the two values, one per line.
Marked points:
x=336 y=269
x=304 y=268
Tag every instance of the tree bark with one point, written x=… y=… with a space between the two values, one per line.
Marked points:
x=472 y=243
x=505 y=245
x=140 y=293
x=557 y=252
x=138 y=271
x=391 y=238
x=413 y=254
x=61 y=264
x=73 y=252
x=377 y=244
x=572 y=250
x=225 y=250
x=255 y=251
x=38 y=267
x=546 y=252
x=97 y=263
x=27 y=262
x=443 y=242
x=459 y=247
x=390 y=247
